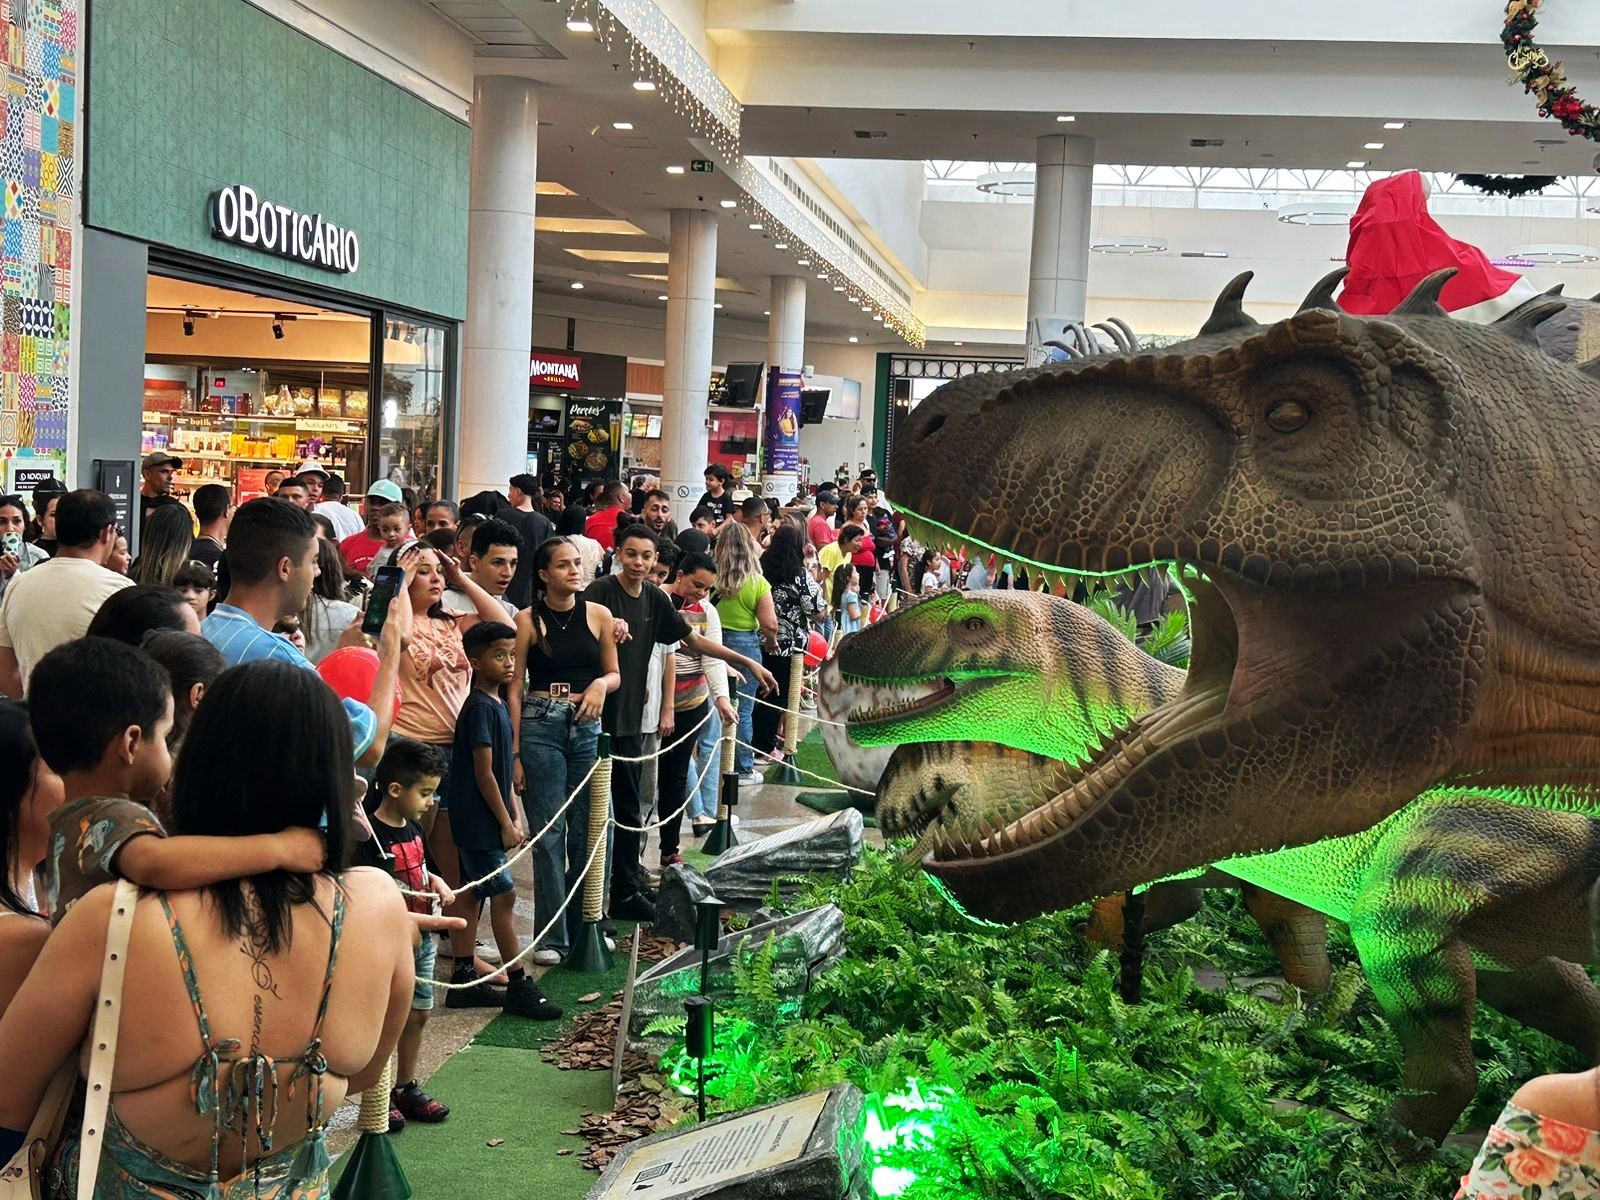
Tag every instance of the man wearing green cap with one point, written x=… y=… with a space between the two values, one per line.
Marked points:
x=361 y=549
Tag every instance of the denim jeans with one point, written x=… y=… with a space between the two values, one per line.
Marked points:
x=748 y=643
x=703 y=806
x=557 y=751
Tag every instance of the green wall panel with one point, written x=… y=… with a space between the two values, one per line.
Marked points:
x=188 y=96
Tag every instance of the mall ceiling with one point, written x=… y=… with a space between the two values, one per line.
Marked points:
x=812 y=92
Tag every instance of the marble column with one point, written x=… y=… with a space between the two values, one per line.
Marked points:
x=1058 y=270
x=499 y=330
x=685 y=400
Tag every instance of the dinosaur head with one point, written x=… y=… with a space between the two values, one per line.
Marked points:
x=1326 y=489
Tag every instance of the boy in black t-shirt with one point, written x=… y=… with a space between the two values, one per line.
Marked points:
x=486 y=821
x=407 y=784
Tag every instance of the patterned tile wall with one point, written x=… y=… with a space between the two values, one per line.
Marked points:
x=38 y=166
x=189 y=96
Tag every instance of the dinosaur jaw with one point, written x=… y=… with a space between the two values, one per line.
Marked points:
x=891 y=704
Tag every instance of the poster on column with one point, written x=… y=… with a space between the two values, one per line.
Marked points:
x=783 y=421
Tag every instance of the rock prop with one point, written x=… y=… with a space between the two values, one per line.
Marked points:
x=743 y=876
x=807 y=944
x=808 y=1148
x=681 y=886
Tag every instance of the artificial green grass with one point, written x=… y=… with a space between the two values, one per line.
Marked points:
x=501 y=1092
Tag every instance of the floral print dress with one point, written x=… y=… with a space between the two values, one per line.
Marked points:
x=1529 y=1157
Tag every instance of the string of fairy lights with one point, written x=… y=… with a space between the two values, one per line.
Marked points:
x=664 y=63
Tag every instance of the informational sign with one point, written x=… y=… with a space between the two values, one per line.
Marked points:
x=784 y=390
x=719 y=1152
x=241 y=216
x=24 y=474
x=114 y=477
x=556 y=371
x=593 y=439
x=702 y=166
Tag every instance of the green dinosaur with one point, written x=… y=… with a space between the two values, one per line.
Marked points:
x=982 y=692
x=1392 y=713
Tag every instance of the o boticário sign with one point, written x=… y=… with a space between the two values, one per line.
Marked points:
x=239 y=215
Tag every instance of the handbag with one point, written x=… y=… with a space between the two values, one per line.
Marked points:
x=23 y=1177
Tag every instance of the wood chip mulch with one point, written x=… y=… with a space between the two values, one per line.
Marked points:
x=646 y=1103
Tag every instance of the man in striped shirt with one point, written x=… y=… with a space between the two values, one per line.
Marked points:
x=272 y=560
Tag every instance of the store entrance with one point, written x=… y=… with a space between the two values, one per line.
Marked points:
x=246 y=387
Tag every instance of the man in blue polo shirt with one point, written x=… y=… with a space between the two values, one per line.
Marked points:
x=272 y=560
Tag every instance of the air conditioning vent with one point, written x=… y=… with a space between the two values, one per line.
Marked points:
x=867 y=135
x=1204 y=143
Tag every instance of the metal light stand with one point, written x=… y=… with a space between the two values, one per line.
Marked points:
x=700 y=1030
x=722 y=836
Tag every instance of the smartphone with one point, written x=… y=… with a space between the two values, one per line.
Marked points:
x=386 y=586
x=10 y=543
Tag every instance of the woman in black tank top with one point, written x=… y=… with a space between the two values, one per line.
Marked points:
x=566 y=666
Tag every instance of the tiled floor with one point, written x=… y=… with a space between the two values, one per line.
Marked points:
x=763 y=810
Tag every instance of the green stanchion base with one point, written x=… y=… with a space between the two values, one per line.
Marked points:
x=787 y=774
x=589 y=956
x=373 y=1172
x=722 y=837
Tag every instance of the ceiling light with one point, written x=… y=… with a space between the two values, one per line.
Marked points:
x=802 y=262
x=1395 y=124
x=644 y=85
x=958 y=343
x=716 y=306
x=1355 y=164
x=854 y=339
x=1373 y=146
x=675 y=170
x=1064 y=119
x=729 y=203
x=1128 y=244
x=576 y=285
x=767 y=313
x=1547 y=254
x=824 y=275
x=579 y=25
x=879 y=320
x=1316 y=212
x=838 y=287
x=663 y=296
x=780 y=245
x=757 y=225
x=277 y=330
x=188 y=324
x=624 y=126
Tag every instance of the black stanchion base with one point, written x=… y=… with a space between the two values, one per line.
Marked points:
x=787 y=774
x=722 y=837
x=589 y=956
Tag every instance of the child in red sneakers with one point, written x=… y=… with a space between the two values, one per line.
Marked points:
x=408 y=782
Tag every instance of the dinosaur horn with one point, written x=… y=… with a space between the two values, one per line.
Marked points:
x=1521 y=321
x=1321 y=295
x=1229 y=311
x=1424 y=298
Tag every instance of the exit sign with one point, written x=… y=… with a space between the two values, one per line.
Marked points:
x=701 y=166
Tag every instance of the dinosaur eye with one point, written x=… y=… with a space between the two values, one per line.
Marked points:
x=974 y=624
x=1286 y=416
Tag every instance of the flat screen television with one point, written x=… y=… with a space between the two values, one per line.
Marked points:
x=741 y=384
x=814 y=405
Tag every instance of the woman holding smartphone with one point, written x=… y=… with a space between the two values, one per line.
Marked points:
x=566 y=666
x=15 y=554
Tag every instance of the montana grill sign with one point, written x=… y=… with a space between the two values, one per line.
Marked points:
x=239 y=215
x=555 y=371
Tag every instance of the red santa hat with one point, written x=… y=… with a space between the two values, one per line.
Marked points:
x=1395 y=245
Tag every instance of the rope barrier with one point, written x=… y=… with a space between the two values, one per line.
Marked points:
x=808 y=716
x=374 y=1113
x=835 y=782
x=670 y=746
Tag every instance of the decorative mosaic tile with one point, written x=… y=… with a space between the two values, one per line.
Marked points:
x=30 y=168
x=8 y=428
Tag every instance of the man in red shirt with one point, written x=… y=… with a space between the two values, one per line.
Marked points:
x=602 y=523
x=819 y=529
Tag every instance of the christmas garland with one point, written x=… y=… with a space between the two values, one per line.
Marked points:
x=1508 y=185
x=1543 y=79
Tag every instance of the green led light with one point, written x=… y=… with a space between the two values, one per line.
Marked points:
x=899 y=1126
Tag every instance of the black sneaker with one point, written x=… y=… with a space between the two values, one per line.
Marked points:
x=634 y=907
x=524 y=999
x=479 y=995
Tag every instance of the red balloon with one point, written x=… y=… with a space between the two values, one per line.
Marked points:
x=352 y=673
x=816 y=649
x=875 y=613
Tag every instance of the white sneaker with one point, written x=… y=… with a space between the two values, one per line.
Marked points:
x=546 y=958
x=751 y=779
x=611 y=942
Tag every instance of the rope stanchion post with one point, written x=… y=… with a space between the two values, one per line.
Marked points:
x=722 y=836
x=786 y=772
x=374 y=1115
x=590 y=954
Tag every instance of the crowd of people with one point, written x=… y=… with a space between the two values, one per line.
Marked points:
x=147 y=706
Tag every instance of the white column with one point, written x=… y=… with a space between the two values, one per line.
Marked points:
x=499 y=331
x=1058 y=271
x=685 y=399
x=786 y=349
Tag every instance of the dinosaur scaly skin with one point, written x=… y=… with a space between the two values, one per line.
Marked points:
x=983 y=692
x=1387 y=530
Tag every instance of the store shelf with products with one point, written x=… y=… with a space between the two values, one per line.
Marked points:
x=232 y=426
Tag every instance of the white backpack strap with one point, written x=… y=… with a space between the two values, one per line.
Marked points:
x=103 y=1036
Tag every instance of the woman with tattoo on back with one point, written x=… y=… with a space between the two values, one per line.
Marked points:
x=262 y=1002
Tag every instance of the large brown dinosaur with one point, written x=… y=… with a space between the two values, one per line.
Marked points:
x=1387 y=530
